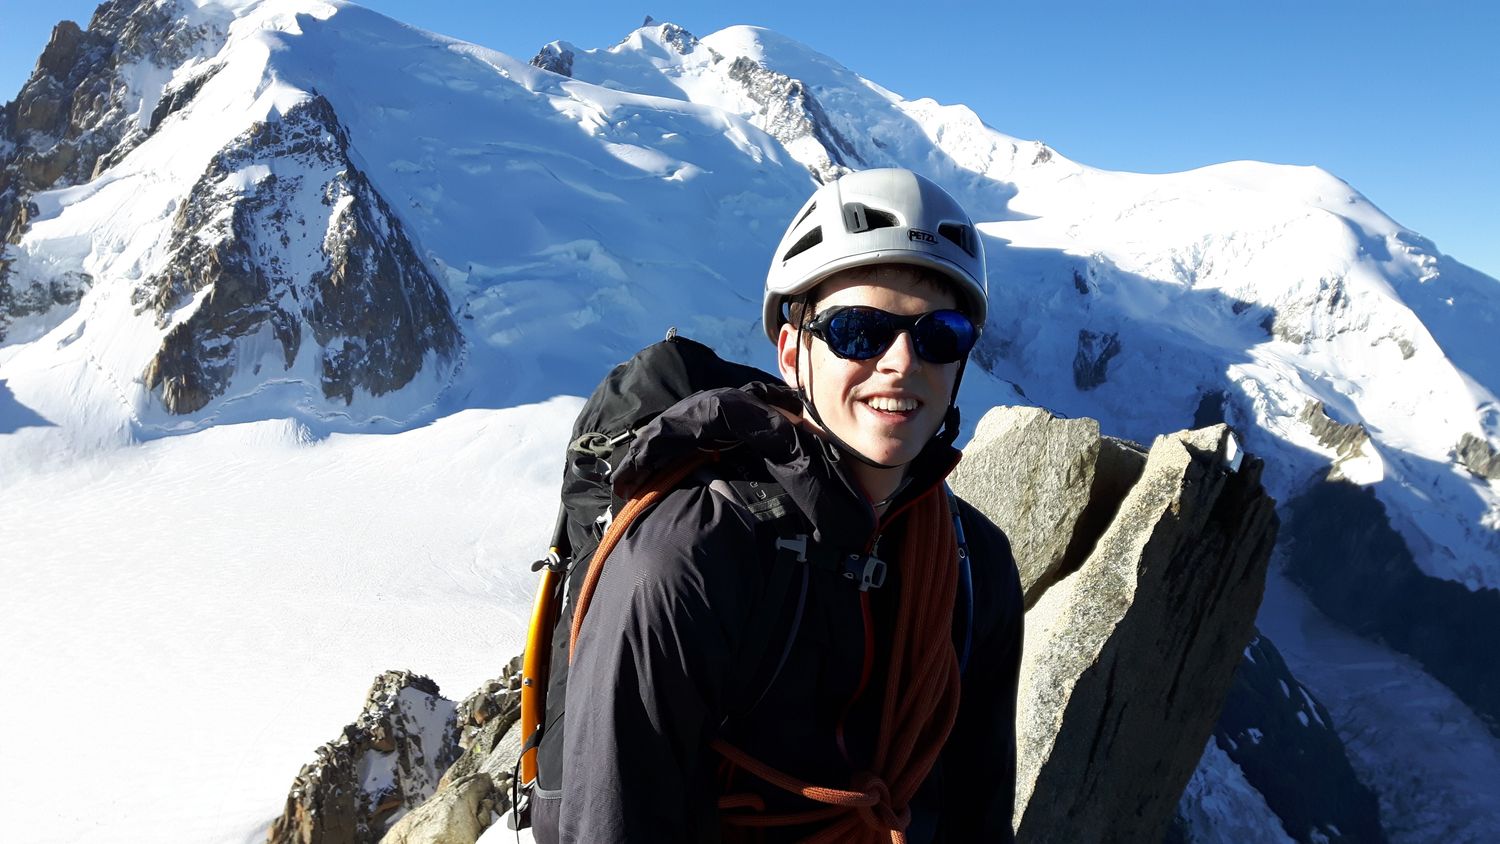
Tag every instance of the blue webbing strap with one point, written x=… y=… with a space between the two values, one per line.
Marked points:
x=965 y=583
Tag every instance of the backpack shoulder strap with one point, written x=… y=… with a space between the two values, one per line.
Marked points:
x=774 y=620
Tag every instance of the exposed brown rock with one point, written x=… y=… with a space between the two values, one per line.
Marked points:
x=490 y=745
x=1348 y=441
x=61 y=52
x=354 y=788
x=375 y=311
x=1479 y=457
x=77 y=112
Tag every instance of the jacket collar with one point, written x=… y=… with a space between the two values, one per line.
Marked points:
x=743 y=425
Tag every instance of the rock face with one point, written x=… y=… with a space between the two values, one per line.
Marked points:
x=1052 y=485
x=458 y=814
x=1479 y=457
x=1141 y=641
x=791 y=114
x=1283 y=740
x=442 y=772
x=1091 y=363
x=384 y=764
x=75 y=116
x=556 y=58
x=477 y=788
x=1347 y=440
x=1362 y=575
x=347 y=273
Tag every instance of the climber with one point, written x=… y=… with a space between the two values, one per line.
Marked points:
x=798 y=630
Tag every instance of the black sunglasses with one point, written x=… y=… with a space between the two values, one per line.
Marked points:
x=858 y=332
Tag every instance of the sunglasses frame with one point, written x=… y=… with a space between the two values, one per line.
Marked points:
x=898 y=323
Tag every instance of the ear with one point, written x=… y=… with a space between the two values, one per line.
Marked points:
x=786 y=354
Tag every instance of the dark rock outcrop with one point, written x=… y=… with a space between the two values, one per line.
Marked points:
x=348 y=274
x=75 y=116
x=1091 y=362
x=1358 y=570
x=175 y=99
x=1284 y=741
x=443 y=771
x=556 y=58
x=1479 y=457
x=1348 y=440
x=37 y=296
x=1212 y=409
x=385 y=763
x=678 y=39
x=789 y=113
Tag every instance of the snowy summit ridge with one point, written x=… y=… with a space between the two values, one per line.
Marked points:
x=252 y=211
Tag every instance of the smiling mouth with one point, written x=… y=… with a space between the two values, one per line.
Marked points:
x=891 y=406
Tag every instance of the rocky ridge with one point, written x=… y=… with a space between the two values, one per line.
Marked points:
x=347 y=271
x=791 y=114
x=75 y=117
x=387 y=762
x=1478 y=456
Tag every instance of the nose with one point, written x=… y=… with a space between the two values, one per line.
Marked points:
x=901 y=356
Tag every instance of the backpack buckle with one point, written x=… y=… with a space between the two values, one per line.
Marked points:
x=797 y=545
x=869 y=571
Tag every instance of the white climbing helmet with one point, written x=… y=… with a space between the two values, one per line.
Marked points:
x=887 y=216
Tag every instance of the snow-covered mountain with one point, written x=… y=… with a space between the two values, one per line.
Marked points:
x=253 y=239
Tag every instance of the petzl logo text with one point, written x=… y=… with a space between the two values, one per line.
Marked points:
x=918 y=234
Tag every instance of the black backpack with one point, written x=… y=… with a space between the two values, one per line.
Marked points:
x=630 y=397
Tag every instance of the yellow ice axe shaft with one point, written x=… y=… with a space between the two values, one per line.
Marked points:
x=534 y=668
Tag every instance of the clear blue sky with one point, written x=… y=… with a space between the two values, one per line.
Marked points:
x=1400 y=99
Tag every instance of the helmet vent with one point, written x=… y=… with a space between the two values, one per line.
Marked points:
x=961 y=235
x=806 y=242
x=862 y=218
x=811 y=207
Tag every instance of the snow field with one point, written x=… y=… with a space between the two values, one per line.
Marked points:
x=199 y=613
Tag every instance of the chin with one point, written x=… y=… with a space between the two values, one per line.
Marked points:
x=889 y=453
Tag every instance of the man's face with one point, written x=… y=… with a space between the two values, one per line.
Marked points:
x=887 y=407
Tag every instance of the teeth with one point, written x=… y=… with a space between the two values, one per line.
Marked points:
x=891 y=405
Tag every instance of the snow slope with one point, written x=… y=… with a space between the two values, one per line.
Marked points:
x=255 y=563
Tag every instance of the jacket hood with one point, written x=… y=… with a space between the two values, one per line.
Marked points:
x=743 y=425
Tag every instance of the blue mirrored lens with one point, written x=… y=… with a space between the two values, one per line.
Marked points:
x=943 y=336
x=860 y=333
